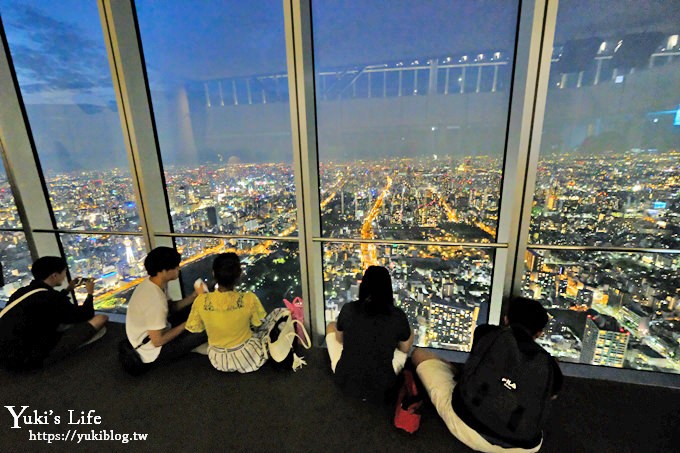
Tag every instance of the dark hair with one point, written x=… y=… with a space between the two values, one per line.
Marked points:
x=46 y=266
x=528 y=313
x=161 y=259
x=375 y=290
x=227 y=269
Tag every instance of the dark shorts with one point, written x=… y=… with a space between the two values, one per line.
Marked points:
x=70 y=340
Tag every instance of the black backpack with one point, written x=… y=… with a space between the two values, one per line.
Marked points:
x=507 y=385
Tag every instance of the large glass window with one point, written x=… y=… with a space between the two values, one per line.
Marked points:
x=625 y=198
x=220 y=98
x=444 y=291
x=63 y=72
x=9 y=216
x=409 y=148
x=116 y=263
x=15 y=257
x=608 y=176
x=608 y=308
x=412 y=107
x=271 y=269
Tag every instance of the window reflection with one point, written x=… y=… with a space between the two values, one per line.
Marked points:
x=220 y=102
x=608 y=170
x=63 y=73
x=411 y=122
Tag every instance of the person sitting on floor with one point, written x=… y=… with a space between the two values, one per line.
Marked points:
x=155 y=324
x=229 y=316
x=369 y=343
x=499 y=403
x=40 y=325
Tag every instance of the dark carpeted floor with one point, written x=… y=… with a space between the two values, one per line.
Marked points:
x=190 y=406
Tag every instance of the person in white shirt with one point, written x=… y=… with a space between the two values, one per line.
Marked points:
x=154 y=323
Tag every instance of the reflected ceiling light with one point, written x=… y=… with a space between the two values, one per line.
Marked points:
x=672 y=41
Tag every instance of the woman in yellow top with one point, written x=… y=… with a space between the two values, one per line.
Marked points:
x=229 y=317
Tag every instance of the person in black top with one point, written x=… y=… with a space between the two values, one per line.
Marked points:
x=368 y=345
x=45 y=325
x=526 y=319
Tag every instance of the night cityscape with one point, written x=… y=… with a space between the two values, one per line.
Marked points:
x=626 y=199
x=412 y=136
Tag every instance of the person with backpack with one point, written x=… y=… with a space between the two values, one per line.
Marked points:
x=41 y=325
x=369 y=343
x=499 y=401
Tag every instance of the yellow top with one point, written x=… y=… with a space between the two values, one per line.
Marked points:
x=226 y=316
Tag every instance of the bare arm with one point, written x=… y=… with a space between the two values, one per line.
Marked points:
x=338 y=336
x=177 y=305
x=405 y=346
x=161 y=337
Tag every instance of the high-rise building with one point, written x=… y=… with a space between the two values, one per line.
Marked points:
x=129 y=255
x=213 y=218
x=552 y=202
x=530 y=259
x=548 y=284
x=109 y=277
x=585 y=297
x=614 y=297
x=452 y=326
x=634 y=316
x=604 y=341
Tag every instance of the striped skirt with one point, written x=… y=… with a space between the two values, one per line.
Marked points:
x=250 y=355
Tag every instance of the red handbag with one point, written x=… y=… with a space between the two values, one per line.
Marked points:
x=406 y=413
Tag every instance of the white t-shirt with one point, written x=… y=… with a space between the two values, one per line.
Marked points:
x=147 y=310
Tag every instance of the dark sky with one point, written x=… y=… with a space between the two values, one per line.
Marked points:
x=222 y=39
x=59 y=53
x=219 y=39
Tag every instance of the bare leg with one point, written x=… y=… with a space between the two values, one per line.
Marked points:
x=331 y=328
x=420 y=355
x=334 y=344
